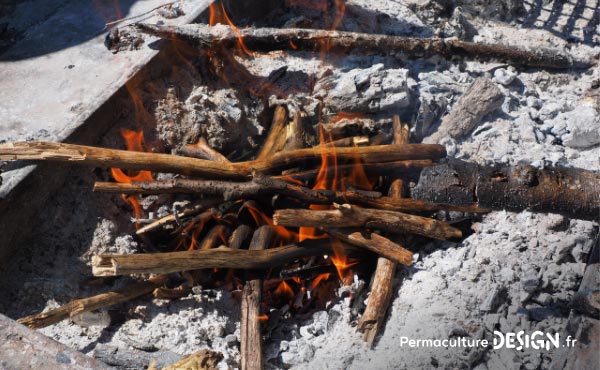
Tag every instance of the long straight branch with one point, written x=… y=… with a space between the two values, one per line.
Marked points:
x=222 y=257
x=88 y=155
x=352 y=216
x=78 y=306
x=200 y=35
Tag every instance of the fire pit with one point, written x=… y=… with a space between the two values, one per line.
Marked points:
x=328 y=184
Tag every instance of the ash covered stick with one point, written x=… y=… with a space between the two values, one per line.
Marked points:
x=88 y=155
x=348 y=216
x=480 y=99
x=373 y=318
x=221 y=257
x=572 y=192
x=250 y=335
x=263 y=39
x=97 y=302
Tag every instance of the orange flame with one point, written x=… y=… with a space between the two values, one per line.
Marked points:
x=261 y=219
x=284 y=290
x=315 y=283
x=263 y=318
x=220 y=16
x=340 y=261
x=134 y=141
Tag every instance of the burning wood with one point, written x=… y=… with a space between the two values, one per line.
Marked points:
x=201 y=35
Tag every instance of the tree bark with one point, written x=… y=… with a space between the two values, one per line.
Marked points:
x=204 y=36
x=572 y=192
x=349 y=216
x=88 y=155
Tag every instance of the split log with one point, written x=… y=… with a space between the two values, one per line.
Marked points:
x=572 y=192
x=351 y=141
x=264 y=39
x=380 y=297
x=373 y=242
x=215 y=237
x=351 y=216
x=79 y=306
x=203 y=151
x=480 y=99
x=221 y=257
x=276 y=138
x=295 y=133
x=250 y=336
x=88 y=155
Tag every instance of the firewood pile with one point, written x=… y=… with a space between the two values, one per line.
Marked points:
x=285 y=227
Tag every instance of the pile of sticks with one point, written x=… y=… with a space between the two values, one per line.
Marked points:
x=279 y=182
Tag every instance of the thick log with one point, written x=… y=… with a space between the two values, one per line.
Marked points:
x=250 y=335
x=276 y=138
x=380 y=297
x=88 y=155
x=221 y=257
x=97 y=302
x=572 y=192
x=480 y=99
x=204 y=36
x=295 y=133
x=373 y=242
x=215 y=237
x=352 y=216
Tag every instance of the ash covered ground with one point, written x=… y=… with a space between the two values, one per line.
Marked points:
x=517 y=271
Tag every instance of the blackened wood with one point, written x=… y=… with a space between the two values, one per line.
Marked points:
x=239 y=236
x=572 y=192
x=204 y=36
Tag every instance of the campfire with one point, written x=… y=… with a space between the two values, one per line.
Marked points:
x=288 y=190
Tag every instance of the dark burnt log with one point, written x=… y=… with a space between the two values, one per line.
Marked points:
x=572 y=192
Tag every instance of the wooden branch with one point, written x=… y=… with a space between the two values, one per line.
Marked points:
x=250 y=335
x=197 y=208
x=397 y=167
x=295 y=133
x=88 y=155
x=572 y=192
x=479 y=100
x=373 y=242
x=352 y=216
x=203 y=151
x=199 y=35
x=221 y=257
x=79 y=306
x=277 y=134
x=212 y=239
x=382 y=284
x=239 y=236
